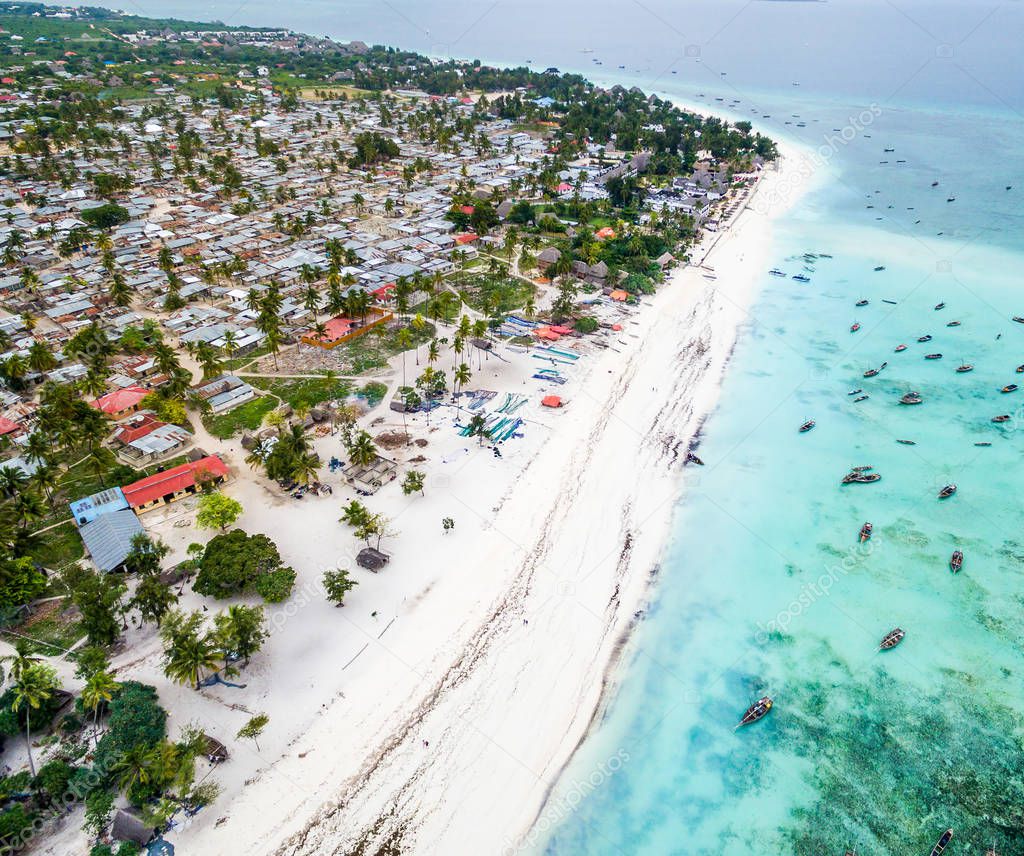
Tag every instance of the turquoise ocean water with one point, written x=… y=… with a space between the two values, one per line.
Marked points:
x=764 y=588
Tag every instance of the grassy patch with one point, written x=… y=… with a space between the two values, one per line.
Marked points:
x=494 y=293
x=50 y=629
x=58 y=547
x=247 y=416
x=374 y=392
x=304 y=392
x=372 y=351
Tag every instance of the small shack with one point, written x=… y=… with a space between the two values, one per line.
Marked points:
x=552 y=401
x=371 y=559
x=372 y=477
x=130 y=827
x=215 y=751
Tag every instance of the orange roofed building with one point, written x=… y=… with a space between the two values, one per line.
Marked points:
x=174 y=484
x=121 y=402
x=340 y=329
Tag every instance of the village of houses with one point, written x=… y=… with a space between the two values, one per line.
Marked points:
x=389 y=230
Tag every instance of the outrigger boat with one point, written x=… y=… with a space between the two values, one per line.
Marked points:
x=854 y=327
x=963 y=368
x=891 y=639
x=861 y=478
x=758 y=710
x=933 y=356
x=807 y=426
x=1005 y=417
x=1010 y=387
x=865 y=532
x=873 y=372
x=925 y=338
x=900 y=348
x=911 y=398
x=947 y=491
x=940 y=845
x=956 y=561
x=939 y=306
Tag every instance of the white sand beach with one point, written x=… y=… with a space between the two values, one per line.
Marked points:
x=437 y=707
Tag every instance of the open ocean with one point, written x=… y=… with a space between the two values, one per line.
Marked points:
x=765 y=589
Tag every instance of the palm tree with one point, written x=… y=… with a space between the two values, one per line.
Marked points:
x=12 y=480
x=33 y=687
x=98 y=691
x=461 y=377
x=136 y=766
x=362 y=450
x=188 y=657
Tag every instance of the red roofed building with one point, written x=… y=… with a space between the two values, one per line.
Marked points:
x=339 y=329
x=174 y=484
x=121 y=402
x=7 y=426
x=468 y=238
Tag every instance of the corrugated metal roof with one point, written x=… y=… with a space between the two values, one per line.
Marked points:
x=109 y=538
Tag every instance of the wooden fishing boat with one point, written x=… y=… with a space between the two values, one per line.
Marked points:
x=862 y=469
x=756 y=711
x=925 y=338
x=933 y=356
x=693 y=459
x=907 y=442
x=861 y=398
x=942 y=843
x=1020 y=369
x=855 y=392
x=865 y=532
x=891 y=639
x=807 y=426
x=911 y=398
x=1010 y=387
x=893 y=302
x=939 y=306
x=1004 y=417
x=861 y=302
x=900 y=348
x=879 y=267
x=953 y=324
x=861 y=478
x=873 y=372
x=964 y=368
x=983 y=444
x=800 y=277
x=947 y=491
x=1018 y=319
x=854 y=327
x=956 y=561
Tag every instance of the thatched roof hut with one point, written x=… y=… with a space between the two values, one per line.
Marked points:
x=371 y=559
x=215 y=751
x=129 y=827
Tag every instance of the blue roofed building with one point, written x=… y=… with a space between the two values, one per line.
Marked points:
x=88 y=508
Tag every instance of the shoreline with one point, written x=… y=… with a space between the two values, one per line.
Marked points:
x=480 y=702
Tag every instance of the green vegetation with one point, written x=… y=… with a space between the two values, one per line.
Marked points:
x=248 y=416
x=234 y=562
x=304 y=393
x=494 y=294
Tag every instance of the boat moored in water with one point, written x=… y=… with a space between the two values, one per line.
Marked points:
x=925 y=338
x=956 y=561
x=947 y=491
x=1018 y=319
x=1010 y=387
x=1020 y=369
x=953 y=324
x=940 y=305
x=861 y=398
x=861 y=478
x=892 y=639
x=801 y=277
x=865 y=532
x=900 y=348
x=855 y=392
x=942 y=843
x=861 y=302
x=963 y=368
x=933 y=356
x=807 y=426
x=777 y=272
x=907 y=442
x=873 y=372
x=911 y=398
x=758 y=710
x=1003 y=417
x=854 y=327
